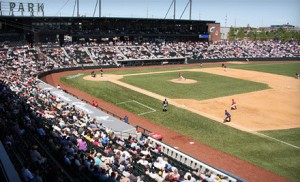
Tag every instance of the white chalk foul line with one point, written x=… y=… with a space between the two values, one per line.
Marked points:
x=152 y=110
x=278 y=140
x=144 y=105
x=146 y=113
x=266 y=136
x=125 y=102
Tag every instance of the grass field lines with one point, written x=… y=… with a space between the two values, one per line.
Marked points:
x=138 y=104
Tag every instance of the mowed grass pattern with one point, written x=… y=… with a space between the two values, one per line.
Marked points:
x=207 y=86
x=266 y=153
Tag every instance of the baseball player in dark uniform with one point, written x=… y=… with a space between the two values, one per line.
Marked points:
x=165 y=105
x=227 y=116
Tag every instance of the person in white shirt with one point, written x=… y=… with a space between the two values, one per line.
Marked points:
x=143 y=161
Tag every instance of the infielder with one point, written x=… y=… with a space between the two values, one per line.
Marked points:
x=228 y=116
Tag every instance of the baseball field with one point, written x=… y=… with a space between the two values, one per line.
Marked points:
x=264 y=131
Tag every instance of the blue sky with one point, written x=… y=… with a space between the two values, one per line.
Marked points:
x=256 y=13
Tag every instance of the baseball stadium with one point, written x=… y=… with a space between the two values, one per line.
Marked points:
x=144 y=99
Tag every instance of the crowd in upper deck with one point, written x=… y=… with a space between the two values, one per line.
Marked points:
x=112 y=52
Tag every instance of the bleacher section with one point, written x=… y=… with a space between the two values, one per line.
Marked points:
x=78 y=53
x=149 y=53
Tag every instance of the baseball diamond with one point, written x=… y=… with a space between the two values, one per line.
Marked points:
x=209 y=107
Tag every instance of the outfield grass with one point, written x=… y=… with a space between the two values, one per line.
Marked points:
x=286 y=69
x=268 y=154
x=207 y=86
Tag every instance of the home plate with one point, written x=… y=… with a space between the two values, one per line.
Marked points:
x=175 y=147
x=192 y=143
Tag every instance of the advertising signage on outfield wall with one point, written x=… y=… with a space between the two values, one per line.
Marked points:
x=203 y=36
x=20 y=8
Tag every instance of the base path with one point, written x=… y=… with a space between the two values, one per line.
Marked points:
x=198 y=150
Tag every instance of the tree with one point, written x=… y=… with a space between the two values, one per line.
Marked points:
x=287 y=36
x=252 y=35
x=240 y=34
x=261 y=35
x=273 y=35
x=231 y=34
x=296 y=36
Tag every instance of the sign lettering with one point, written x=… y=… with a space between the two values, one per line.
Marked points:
x=21 y=7
x=10 y=8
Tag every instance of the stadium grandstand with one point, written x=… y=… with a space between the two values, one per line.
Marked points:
x=46 y=137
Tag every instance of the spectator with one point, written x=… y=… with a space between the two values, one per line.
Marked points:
x=26 y=173
x=36 y=156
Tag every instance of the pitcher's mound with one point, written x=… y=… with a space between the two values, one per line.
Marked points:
x=184 y=81
x=104 y=78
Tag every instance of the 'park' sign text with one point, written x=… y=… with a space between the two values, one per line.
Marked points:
x=18 y=7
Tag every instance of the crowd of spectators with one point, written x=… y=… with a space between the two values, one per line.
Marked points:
x=78 y=53
x=135 y=52
x=201 y=50
x=105 y=54
x=162 y=50
x=111 y=53
x=54 y=137
x=57 y=56
x=245 y=49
